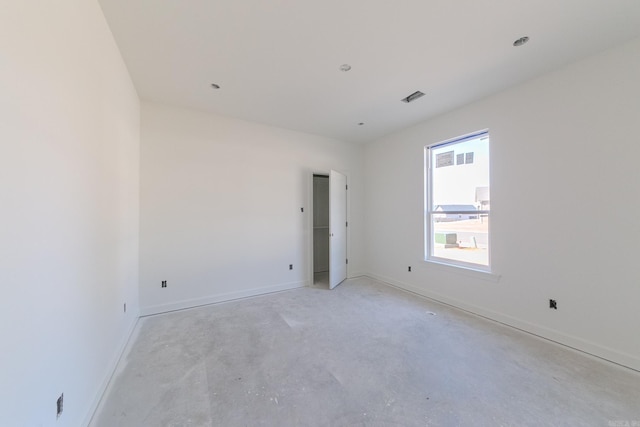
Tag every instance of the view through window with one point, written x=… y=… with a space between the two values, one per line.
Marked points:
x=457 y=201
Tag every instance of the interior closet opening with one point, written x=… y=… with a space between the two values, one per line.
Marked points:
x=321 y=230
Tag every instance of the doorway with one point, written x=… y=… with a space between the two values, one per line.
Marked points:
x=321 y=230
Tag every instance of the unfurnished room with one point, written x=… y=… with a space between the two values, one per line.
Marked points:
x=319 y=213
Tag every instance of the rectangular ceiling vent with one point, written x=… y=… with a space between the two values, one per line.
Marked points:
x=415 y=95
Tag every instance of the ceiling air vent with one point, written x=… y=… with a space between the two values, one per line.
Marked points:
x=415 y=95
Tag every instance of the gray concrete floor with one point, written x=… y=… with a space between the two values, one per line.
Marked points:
x=364 y=354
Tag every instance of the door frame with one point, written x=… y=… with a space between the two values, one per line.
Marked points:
x=309 y=219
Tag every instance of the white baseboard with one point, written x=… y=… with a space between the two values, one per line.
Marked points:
x=216 y=298
x=356 y=274
x=111 y=369
x=617 y=357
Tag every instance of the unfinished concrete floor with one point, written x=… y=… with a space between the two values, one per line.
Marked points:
x=364 y=354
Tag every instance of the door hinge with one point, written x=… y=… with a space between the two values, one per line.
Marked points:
x=346 y=224
x=347 y=260
x=346 y=187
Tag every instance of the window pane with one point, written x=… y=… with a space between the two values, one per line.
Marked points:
x=465 y=240
x=458 y=170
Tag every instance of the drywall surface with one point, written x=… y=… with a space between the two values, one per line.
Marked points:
x=221 y=206
x=69 y=191
x=565 y=182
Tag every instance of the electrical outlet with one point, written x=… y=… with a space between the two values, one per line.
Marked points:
x=553 y=304
x=59 y=405
x=290 y=266
x=164 y=283
x=409 y=269
x=301 y=209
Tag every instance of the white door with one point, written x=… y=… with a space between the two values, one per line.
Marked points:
x=337 y=228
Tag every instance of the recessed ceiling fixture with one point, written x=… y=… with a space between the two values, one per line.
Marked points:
x=345 y=67
x=360 y=124
x=415 y=95
x=521 y=41
x=215 y=86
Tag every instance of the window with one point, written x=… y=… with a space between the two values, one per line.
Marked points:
x=457 y=201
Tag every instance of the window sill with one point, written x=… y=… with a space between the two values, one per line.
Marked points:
x=463 y=270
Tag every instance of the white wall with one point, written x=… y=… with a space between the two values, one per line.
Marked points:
x=565 y=189
x=220 y=206
x=69 y=151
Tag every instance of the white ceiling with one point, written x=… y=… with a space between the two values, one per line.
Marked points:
x=277 y=60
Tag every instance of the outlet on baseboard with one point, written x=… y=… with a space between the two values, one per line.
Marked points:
x=553 y=304
x=164 y=283
x=290 y=266
x=409 y=269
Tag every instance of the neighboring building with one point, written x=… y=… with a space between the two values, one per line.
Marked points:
x=482 y=198
x=455 y=213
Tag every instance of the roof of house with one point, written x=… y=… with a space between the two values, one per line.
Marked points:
x=456 y=208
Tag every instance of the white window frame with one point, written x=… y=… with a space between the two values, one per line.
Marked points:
x=429 y=212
